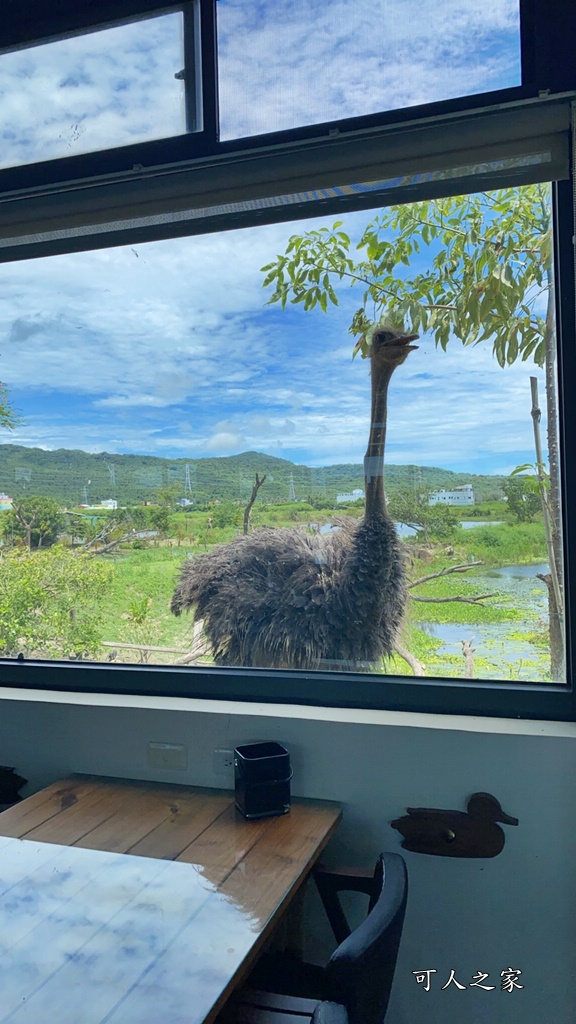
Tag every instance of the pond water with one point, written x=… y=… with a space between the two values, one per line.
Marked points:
x=508 y=656
x=467 y=524
x=409 y=531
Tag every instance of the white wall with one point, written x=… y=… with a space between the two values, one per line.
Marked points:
x=517 y=910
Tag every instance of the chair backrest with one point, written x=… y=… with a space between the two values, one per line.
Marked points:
x=359 y=973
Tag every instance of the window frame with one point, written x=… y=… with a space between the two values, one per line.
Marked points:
x=344 y=690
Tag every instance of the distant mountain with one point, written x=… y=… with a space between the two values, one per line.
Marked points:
x=71 y=476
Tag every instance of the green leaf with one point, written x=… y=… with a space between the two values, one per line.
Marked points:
x=499 y=352
x=540 y=354
x=512 y=347
x=508 y=275
x=528 y=348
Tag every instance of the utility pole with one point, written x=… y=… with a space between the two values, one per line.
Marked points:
x=112 y=474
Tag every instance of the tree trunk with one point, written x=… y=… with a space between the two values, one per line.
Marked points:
x=555 y=608
x=552 y=419
x=557 y=672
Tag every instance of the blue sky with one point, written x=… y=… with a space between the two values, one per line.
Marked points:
x=168 y=348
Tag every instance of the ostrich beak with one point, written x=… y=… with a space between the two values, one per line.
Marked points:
x=405 y=342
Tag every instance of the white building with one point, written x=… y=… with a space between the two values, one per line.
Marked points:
x=109 y=503
x=457 y=496
x=354 y=495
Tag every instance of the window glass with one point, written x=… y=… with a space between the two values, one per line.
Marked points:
x=92 y=92
x=309 y=61
x=165 y=403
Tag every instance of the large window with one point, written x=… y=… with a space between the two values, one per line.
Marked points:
x=175 y=419
x=191 y=485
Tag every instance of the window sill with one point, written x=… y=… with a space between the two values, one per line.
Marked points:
x=356 y=716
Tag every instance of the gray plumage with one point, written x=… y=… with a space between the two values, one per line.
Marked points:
x=285 y=598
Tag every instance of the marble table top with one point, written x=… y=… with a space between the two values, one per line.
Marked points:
x=125 y=900
x=92 y=937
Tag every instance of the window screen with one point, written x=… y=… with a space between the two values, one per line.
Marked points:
x=309 y=61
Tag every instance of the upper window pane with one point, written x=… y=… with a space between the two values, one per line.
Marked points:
x=91 y=92
x=307 y=61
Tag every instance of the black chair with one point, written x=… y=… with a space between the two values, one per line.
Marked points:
x=253 y=1007
x=330 y=882
x=354 y=986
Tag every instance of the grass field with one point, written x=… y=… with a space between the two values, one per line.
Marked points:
x=137 y=610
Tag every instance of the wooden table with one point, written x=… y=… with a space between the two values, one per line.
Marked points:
x=126 y=902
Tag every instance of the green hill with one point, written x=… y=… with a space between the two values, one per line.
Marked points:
x=70 y=476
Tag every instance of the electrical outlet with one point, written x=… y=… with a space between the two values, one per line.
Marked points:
x=169 y=756
x=223 y=761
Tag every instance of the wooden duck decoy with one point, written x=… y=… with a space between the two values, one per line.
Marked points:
x=473 y=833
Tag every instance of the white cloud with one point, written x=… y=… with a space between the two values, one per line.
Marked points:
x=131 y=401
x=224 y=441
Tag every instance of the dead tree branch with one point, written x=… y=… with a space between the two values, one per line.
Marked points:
x=248 y=508
x=463 y=600
x=468 y=652
x=416 y=666
x=108 y=547
x=444 y=572
x=200 y=646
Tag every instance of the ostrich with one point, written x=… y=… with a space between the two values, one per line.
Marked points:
x=283 y=598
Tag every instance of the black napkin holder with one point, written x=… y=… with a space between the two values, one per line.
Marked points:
x=262 y=774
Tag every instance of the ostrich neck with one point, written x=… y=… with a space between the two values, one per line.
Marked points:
x=374 y=458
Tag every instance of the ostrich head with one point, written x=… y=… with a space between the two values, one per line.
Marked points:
x=390 y=347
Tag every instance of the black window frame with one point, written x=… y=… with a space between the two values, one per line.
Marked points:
x=548 y=40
